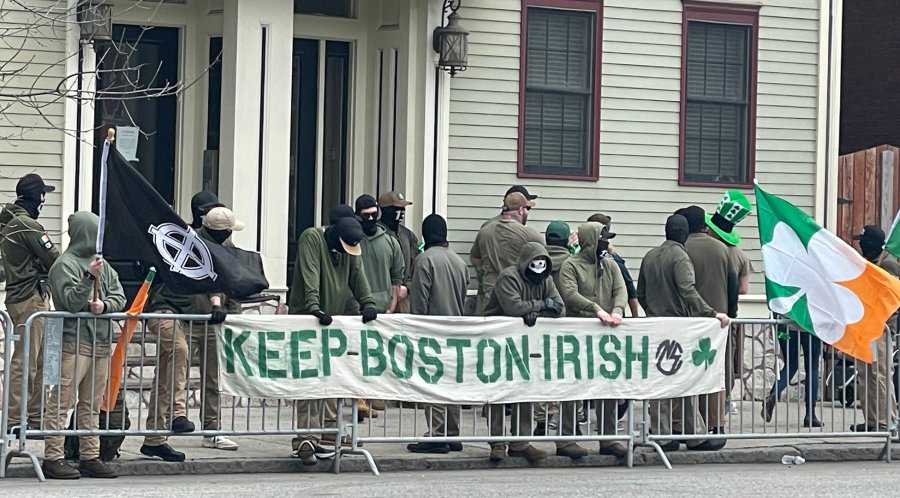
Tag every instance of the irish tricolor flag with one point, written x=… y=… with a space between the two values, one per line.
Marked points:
x=816 y=279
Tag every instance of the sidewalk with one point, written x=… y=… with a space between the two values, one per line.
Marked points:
x=258 y=454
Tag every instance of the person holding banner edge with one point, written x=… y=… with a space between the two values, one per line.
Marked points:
x=592 y=285
x=438 y=287
x=527 y=291
x=666 y=287
x=329 y=272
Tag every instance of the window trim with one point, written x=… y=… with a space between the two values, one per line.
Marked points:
x=743 y=14
x=595 y=7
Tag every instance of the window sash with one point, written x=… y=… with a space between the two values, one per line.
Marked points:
x=558 y=107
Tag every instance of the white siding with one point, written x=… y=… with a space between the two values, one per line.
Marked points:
x=639 y=125
x=32 y=60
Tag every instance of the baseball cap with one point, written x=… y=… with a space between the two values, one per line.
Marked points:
x=32 y=183
x=392 y=199
x=222 y=218
x=522 y=190
x=350 y=233
x=516 y=201
x=557 y=231
x=605 y=234
x=871 y=232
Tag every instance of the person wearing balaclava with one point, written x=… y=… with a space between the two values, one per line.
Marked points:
x=381 y=255
x=877 y=379
x=328 y=272
x=717 y=283
x=393 y=212
x=201 y=203
x=666 y=288
x=28 y=254
x=524 y=291
x=438 y=287
x=592 y=286
x=80 y=281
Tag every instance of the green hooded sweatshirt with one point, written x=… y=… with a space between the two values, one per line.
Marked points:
x=515 y=295
x=73 y=290
x=28 y=252
x=383 y=264
x=325 y=283
x=587 y=284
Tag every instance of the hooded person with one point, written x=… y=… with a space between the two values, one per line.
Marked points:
x=86 y=345
x=525 y=291
x=438 y=287
x=666 y=288
x=201 y=203
x=557 y=239
x=27 y=254
x=328 y=272
x=591 y=285
x=381 y=256
x=877 y=379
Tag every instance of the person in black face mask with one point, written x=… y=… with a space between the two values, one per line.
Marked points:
x=382 y=257
x=328 y=272
x=524 y=291
x=201 y=203
x=393 y=211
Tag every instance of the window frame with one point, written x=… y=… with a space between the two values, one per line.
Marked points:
x=722 y=13
x=596 y=8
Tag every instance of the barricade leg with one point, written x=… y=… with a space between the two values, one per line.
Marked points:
x=6 y=451
x=645 y=431
x=354 y=439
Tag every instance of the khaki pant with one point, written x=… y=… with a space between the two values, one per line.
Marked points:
x=712 y=409
x=519 y=423
x=315 y=414
x=170 y=378
x=19 y=313
x=443 y=420
x=83 y=376
x=666 y=415
x=403 y=306
x=877 y=385
x=607 y=418
x=203 y=347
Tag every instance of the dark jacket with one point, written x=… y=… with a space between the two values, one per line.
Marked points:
x=514 y=295
x=587 y=284
x=439 y=283
x=558 y=255
x=325 y=282
x=666 y=285
x=626 y=275
x=28 y=253
x=409 y=246
x=72 y=290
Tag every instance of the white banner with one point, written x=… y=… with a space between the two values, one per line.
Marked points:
x=469 y=360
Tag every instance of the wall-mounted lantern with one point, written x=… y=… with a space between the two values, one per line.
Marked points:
x=451 y=40
x=95 y=21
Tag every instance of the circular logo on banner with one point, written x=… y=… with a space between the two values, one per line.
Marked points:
x=183 y=251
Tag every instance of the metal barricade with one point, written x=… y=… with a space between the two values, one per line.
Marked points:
x=607 y=422
x=170 y=359
x=833 y=396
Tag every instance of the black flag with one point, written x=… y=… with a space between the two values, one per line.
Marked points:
x=141 y=226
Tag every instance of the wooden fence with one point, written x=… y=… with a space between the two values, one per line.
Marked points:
x=868 y=189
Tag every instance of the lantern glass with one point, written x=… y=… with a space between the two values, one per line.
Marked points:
x=95 y=21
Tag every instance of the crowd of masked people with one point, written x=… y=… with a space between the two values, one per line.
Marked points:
x=365 y=261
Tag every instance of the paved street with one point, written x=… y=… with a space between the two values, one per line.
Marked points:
x=815 y=479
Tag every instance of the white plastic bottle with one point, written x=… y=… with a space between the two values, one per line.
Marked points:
x=792 y=460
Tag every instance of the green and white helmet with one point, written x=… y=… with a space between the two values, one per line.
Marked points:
x=732 y=209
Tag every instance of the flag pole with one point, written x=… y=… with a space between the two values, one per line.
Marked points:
x=110 y=138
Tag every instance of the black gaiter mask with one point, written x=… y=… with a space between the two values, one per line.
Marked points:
x=392 y=216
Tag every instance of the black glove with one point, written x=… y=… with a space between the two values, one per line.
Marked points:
x=553 y=306
x=217 y=315
x=369 y=314
x=324 y=318
x=530 y=318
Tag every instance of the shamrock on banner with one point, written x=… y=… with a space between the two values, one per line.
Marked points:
x=820 y=282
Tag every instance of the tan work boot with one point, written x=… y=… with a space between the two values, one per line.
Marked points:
x=572 y=451
x=498 y=452
x=614 y=448
x=377 y=404
x=530 y=453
